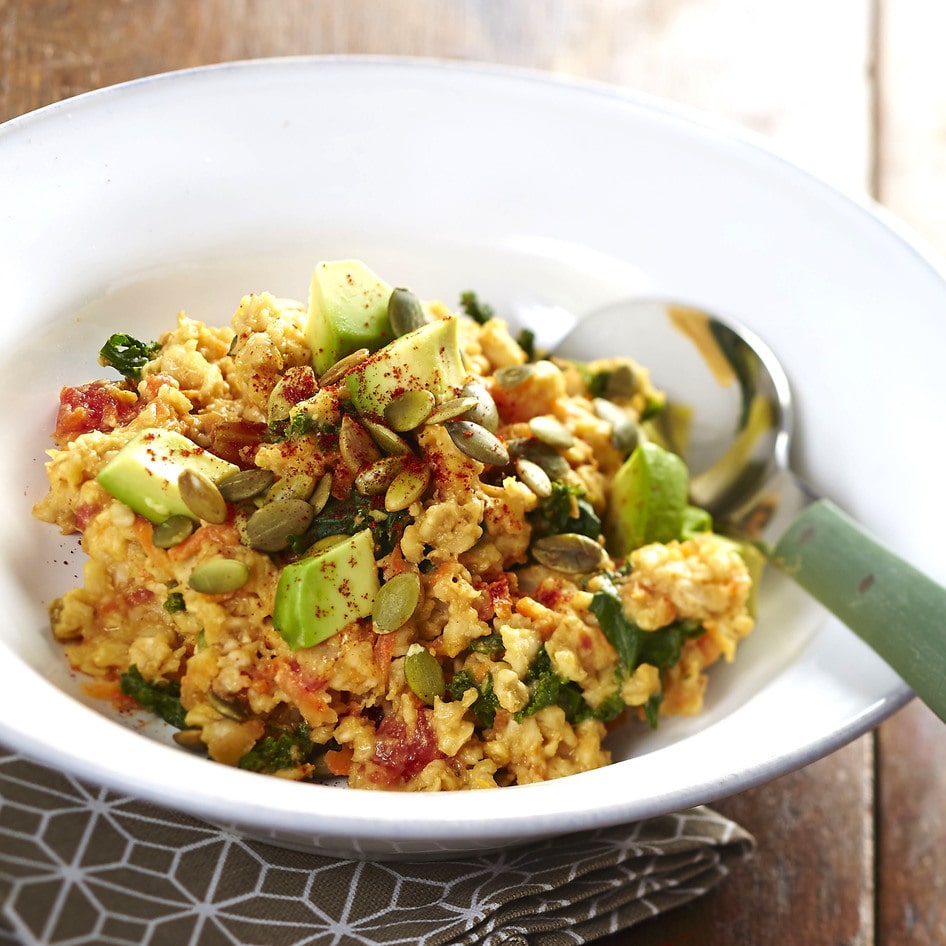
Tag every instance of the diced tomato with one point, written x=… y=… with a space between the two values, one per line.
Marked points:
x=98 y=405
x=236 y=441
x=400 y=753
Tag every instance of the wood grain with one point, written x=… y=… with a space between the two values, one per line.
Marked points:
x=855 y=90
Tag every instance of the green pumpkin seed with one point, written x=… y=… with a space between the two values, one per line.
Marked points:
x=405 y=312
x=341 y=367
x=484 y=412
x=513 y=375
x=424 y=674
x=552 y=431
x=172 y=531
x=325 y=543
x=226 y=708
x=297 y=383
x=218 y=576
x=323 y=490
x=621 y=383
x=554 y=464
x=569 y=552
x=201 y=496
x=477 y=442
x=375 y=479
x=189 y=739
x=406 y=488
x=452 y=409
x=396 y=602
x=356 y=445
x=386 y=439
x=625 y=434
x=244 y=485
x=270 y=527
x=409 y=410
x=534 y=477
x=295 y=486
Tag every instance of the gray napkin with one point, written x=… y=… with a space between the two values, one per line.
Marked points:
x=84 y=866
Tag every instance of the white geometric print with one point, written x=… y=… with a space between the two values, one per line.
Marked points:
x=83 y=866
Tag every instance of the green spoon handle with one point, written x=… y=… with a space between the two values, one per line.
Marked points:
x=889 y=604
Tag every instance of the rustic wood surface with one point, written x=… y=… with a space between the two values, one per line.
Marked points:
x=852 y=849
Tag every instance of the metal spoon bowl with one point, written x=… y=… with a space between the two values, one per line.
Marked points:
x=726 y=388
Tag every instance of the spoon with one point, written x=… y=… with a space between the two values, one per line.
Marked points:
x=740 y=473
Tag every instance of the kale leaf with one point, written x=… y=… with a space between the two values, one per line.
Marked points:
x=478 y=311
x=566 y=509
x=162 y=699
x=486 y=702
x=285 y=750
x=127 y=355
x=350 y=515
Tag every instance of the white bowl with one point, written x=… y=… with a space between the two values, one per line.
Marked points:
x=186 y=190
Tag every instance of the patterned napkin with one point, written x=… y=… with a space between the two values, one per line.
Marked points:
x=84 y=866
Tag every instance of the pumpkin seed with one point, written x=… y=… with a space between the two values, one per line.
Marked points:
x=395 y=602
x=621 y=383
x=294 y=486
x=189 y=738
x=477 y=442
x=452 y=409
x=341 y=367
x=513 y=375
x=406 y=488
x=244 y=485
x=484 y=412
x=226 y=708
x=201 y=496
x=375 y=479
x=552 y=431
x=356 y=446
x=625 y=434
x=547 y=457
x=172 y=531
x=269 y=528
x=295 y=385
x=409 y=410
x=323 y=490
x=405 y=312
x=218 y=576
x=325 y=543
x=386 y=439
x=534 y=477
x=424 y=674
x=569 y=552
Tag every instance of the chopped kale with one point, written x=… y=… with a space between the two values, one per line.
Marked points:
x=526 y=341
x=486 y=702
x=298 y=424
x=285 y=750
x=127 y=355
x=622 y=634
x=162 y=699
x=174 y=602
x=478 y=311
x=350 y=515
x=491 y=645
x=566 y=509
x=652 y=709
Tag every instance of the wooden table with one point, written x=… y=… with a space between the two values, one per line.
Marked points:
x=852 y=849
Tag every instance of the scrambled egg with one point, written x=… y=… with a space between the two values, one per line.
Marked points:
x=530 y=674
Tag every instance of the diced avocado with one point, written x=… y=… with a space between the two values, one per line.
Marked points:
x=648 y=500
x=317 y=596
x=348 y=310
x=144 y=473
x=428 y=358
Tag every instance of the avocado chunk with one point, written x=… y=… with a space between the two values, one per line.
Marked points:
x=425 y=359
x=144 y=473
x=348 y=310
x=317 y=596
x=648 y=500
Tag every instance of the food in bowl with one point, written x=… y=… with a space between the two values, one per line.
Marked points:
x=374 y=539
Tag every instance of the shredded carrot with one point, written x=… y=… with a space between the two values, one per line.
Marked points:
x=224 y=535
x=383 y=648
x=338 y=761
